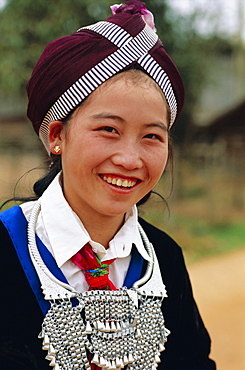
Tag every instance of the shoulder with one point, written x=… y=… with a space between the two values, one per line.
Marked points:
x=163 y=243
x=13 y=232
x=11 y=215
x=7 y=218
x=154 y=232
x=169 y=256
x=9 y=221
x=13 y=220
x=4 y=235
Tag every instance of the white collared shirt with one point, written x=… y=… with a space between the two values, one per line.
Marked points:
x=63 y=233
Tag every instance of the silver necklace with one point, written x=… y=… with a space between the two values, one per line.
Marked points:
x=111 y=329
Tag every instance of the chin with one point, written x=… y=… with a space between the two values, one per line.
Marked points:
x=116 y=211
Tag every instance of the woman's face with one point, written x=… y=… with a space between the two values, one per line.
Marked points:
x=115 y=147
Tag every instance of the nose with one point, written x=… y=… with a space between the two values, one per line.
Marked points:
x=128 y=156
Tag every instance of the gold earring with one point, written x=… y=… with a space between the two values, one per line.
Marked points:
x=57 y=149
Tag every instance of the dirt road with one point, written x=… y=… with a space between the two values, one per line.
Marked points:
x=219 y=288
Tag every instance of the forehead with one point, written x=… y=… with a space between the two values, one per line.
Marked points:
x=129 y=78
x=135 y=77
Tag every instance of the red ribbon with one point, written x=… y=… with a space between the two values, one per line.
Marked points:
x=95 y=272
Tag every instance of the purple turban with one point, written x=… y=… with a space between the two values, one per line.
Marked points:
x=72 y=67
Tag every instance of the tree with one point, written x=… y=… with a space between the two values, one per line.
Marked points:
x=26 y=27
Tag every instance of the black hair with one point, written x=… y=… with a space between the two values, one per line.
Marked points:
x=54 y=168
x=55 y=161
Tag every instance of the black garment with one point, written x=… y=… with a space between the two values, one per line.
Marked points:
x=188 y=344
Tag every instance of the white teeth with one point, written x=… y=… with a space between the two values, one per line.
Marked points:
x=119 y=182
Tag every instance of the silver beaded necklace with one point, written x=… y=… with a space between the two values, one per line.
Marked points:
x=111 y=329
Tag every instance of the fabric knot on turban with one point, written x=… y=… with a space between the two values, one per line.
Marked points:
x=133 y=7
x=72 y=67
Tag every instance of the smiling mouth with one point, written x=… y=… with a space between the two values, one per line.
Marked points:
x=121 y=183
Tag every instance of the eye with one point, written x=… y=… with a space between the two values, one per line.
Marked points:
x=108 y=129
x=154 y=137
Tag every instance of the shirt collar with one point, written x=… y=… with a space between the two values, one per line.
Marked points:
x=67 y=234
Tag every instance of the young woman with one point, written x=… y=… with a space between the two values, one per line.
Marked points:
x=105 y=289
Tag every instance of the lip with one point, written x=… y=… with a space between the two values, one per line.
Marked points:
x=119 y=176
x=119 y=182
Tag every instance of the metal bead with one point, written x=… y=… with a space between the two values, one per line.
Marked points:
x=95 y=359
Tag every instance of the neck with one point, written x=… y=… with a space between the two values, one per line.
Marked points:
x=102 y=232
x=101 y=228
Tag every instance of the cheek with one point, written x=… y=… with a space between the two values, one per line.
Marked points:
x=158 y=163
x=71 y=158
x=158 y=171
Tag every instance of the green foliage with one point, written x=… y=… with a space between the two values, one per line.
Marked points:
x=27 y=26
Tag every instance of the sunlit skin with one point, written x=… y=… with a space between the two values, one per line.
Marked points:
x=119 y=134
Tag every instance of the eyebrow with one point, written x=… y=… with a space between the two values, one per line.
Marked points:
x=158 y=124
x=114 y=117
x=107 y=116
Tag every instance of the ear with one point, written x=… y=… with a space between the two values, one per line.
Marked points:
x=56 y=136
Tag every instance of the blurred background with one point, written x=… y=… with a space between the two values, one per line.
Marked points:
x=206 y=194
